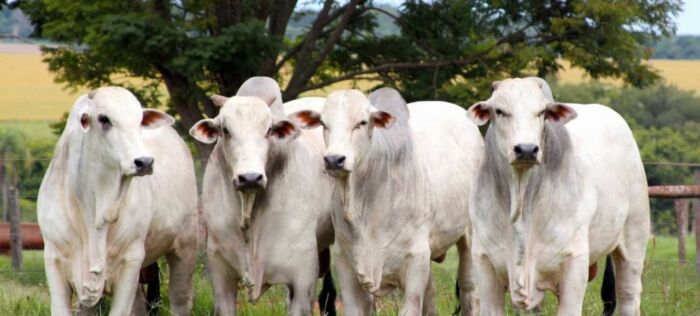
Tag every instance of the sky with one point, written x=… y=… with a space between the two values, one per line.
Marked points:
x=688 y=21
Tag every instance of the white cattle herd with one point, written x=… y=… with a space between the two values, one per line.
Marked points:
x=385 y=186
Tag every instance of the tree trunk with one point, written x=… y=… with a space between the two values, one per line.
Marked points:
x=681 y=206
x=15 y=228
x=696 y=227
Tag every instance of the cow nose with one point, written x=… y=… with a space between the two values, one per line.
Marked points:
x=144 y=165
x=334 y=162
x=524 y=152
x=247 y=181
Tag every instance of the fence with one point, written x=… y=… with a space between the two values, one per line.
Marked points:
x=16 y=236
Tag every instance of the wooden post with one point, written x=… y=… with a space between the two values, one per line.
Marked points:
x=15 y=227
x=681 y=206
x=696 y=226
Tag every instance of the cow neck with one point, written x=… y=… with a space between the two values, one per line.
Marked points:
x=387 y=166
x=523 y=188
x=100 y=191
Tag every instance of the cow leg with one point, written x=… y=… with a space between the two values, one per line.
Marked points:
x=302 y=299
x=181 y=265
x=416 y=279
x=225 y=285
x=58 y=287
x=572 y=286
x=491 y=292
x=127 y=282
x=467 y=299
x=628 y=258
x=429 y=299
x=629 y=264
x=356 y=302
x=139 y=307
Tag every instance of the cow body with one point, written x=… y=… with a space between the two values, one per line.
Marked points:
x=272 y=235
x=402 y=201
x=101 y=226
x=539 y=227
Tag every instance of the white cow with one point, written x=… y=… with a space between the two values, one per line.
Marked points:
x=405 y=183
x=266 y=199
x=120 y=192
x=555 y=197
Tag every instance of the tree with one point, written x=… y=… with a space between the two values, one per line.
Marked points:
x=442 y=49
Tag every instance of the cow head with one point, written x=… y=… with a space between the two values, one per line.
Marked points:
x=518 y=110
x=348 y=120
x=112 y=120
x=246 y=129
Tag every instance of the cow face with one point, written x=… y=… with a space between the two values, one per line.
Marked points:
x=348 y=120
x=112 y=121
x=246 y=130
x=518 y=111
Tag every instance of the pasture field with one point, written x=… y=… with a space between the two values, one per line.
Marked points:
x=669 y=288
x=28 y=92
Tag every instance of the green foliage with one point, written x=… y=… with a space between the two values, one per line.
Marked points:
x=678 y=47
x=444 y=49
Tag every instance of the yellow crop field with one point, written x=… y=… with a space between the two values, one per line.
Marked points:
x=28 y=92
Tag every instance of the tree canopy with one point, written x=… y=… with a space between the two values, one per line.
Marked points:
x=443 y=49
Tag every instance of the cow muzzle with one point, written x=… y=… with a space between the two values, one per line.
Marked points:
x=249 y=182
x=143 y=166
x=336 y=165
x=526 y=155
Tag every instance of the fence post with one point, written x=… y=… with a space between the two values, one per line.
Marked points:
x=15 y=227
x=681 y=206
x=696 y=226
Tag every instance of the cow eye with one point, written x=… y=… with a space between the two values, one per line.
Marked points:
x=500 y=112
x=362 y=123
x=104 y=120
x=225 y=130
x=542 y=113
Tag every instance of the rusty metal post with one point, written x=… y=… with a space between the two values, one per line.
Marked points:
x=674 y=191
x=696 y=226
x=15 y=227
x=681 y=206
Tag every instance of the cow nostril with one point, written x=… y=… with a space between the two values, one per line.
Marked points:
x=341 y=160
x=250 y=178
x=143 y=163
x=536 y=149
x=518 y=149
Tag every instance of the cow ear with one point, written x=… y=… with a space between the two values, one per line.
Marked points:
x=479 y=113
x=218 y=100
x=205 y=131
x=307 y=118
x=381 y=119
x=560 y=113
x=284 y=129
x=84 y=120
x=154 y=119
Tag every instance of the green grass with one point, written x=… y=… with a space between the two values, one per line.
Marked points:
x=35 y=130
x=669 y=288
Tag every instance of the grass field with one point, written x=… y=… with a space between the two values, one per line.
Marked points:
x=669 y=288
x=28 y=92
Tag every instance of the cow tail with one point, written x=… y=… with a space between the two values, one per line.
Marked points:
x=153 y=290
x=327 y=297
x=458 y=310
x=607 y=291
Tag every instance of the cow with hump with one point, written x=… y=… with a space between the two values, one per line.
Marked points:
x=404 y=173
x=120 y=192
x=561 y=186
x=266 y=200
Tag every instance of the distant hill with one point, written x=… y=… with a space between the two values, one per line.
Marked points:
x=678 y=47
x=301 y=21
